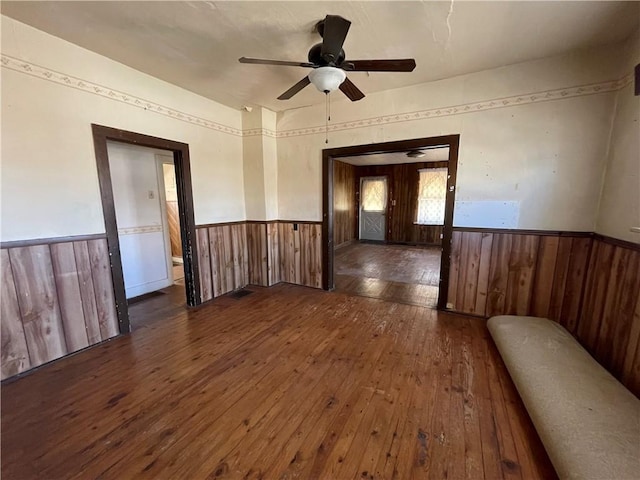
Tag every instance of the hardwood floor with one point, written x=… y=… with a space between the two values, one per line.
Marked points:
x=400 y=273
x=288 y=382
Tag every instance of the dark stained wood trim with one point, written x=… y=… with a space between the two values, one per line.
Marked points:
x=516 y=231
x=617 y=242
x=328 y=282
x=447 y=231
x=101 y=135
x=328 y=156
x=303 y=222
x=221 y=224
x=49 y=241
x=258 y=222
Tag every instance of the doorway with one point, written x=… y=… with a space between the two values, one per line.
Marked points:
x=180 y=155
x=410 y=261
x=172 y=216
x=373 y=208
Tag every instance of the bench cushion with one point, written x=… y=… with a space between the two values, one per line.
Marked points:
x=588 y=422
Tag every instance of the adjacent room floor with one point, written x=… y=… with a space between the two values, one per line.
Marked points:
x=285 y=382
x=404 y=274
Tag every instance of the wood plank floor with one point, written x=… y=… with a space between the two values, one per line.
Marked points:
x=288 y=382
x=400 y=273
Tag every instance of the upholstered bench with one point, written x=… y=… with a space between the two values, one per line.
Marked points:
x=588 y=422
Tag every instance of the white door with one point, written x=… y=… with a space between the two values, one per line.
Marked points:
x=138 y=194
x=373 y=208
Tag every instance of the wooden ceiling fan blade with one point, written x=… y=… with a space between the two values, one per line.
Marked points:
x=394 y=65
x=295 y=89
x=334 y=33
x=350 y=90
x=260 y=61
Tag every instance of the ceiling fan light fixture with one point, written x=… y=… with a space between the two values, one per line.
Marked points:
x=415 y=154
x=327 y=79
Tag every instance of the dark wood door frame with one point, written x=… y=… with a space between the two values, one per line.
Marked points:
x=328 y=156
x=101 y=135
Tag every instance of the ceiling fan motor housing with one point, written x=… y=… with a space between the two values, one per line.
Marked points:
x=315 y=57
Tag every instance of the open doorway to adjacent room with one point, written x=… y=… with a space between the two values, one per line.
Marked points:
x=392 y=211
x=147 y=201
x=146 y=206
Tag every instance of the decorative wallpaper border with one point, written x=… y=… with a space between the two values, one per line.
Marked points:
x=139 y=230
x=111 y=93
x=516 y=100
x=259 y=132
x=123 y=97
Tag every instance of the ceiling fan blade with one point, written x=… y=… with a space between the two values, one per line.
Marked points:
x=396 y=65
x=333 y=36
x=295 y=89
x=350 y=90
x=260 y=61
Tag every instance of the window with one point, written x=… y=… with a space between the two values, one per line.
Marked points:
x=374 y=194
x=432 y=190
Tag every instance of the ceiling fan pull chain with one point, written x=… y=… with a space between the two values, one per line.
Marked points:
x=327 y=108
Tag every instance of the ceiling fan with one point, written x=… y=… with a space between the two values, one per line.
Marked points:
x=328 y=61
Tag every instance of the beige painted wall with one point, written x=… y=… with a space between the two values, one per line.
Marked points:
x=260 y=163
x=51 y=93
x=547 y=153
x=620 y=201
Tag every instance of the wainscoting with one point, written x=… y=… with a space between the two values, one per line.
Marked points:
x=234 y=255
x=588 y=283
x=345 y=204
x=223 y=259
x=57 y=298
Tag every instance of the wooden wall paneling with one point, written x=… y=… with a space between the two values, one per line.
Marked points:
x=522 y=262
x=204 y=261
x=482 y=292
x=67 y=285
x=14 y=354
x=574 y=284
x=561 y=272
x=297 y=264
x=427 y=234
x=216 y=258
x=344 y=202
x=625 y=331
x=286 y=249
x=173 y=217
x=587 y=303
x=598 y=279
x=273 y=253
x=466 y=273
x=38 y=303
x=227 y=271
x=311 y=255
x=403 y=182
x=87 y=292
x=498 y=274
x=474 y=246
x=258 y=267
x=240 y=255
x=611 y=309
x=631 y=364
x=103 y=287
x=545 y=273
x=452 y=293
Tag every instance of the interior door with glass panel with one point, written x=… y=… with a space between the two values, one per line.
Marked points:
x=373 y=208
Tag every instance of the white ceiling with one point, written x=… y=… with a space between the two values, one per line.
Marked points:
x=196 y=44
x=430 y=155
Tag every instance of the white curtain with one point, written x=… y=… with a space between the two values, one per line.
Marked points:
x=432 y=191
x=374 y=194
